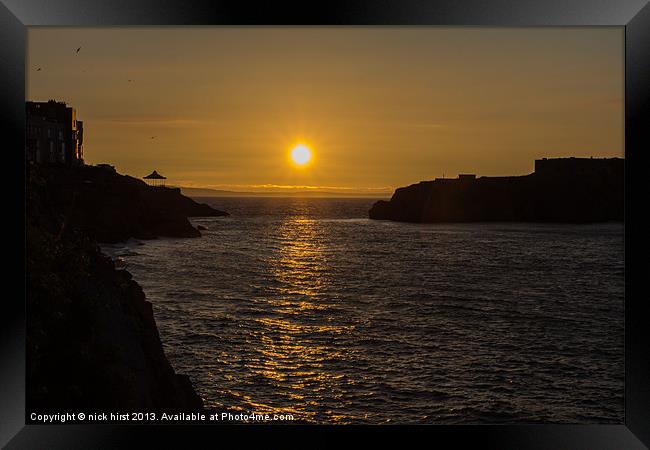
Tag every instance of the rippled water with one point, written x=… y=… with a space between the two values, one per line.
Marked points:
x=304 y=306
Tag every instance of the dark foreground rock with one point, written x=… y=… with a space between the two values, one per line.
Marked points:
x=113 y=207
x=569 y=190
x=92 y=342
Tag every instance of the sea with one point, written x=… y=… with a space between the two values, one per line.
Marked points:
x=305 y=307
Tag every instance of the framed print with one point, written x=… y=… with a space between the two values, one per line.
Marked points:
x=395 y=219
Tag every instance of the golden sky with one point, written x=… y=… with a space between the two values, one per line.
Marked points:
x=379 y=107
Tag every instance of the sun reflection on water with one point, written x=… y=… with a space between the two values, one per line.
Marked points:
x=289 y=357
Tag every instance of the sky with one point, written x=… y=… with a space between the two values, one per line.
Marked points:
x=379 y=107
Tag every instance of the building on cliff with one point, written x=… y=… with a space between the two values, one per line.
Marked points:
x=53 y=135
x=155 y=179
x=577 y=167
x=466 y=177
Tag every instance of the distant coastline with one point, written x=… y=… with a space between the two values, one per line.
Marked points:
x=317 y=193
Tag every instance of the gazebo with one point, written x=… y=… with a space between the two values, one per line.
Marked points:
x=155 y=179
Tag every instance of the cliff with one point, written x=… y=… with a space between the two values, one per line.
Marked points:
x=92 y=341
x=113 y=207
x=570 y=190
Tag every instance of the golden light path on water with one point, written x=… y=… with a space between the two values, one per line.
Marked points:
x=300 y=261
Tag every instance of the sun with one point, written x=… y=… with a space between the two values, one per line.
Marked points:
x=301 y=155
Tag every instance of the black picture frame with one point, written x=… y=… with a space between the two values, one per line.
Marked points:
x=634 y=15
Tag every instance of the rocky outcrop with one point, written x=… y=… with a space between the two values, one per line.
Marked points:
x=113 y=207
x=570 y=190
x=92 y=341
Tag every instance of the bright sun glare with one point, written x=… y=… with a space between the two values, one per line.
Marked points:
x=301 y=154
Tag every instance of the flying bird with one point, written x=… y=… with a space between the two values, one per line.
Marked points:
x=38 y=70
x=153 y=137
x=79 y=48
x=130 y=80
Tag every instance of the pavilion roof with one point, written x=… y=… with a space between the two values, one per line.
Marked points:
x=155 y=175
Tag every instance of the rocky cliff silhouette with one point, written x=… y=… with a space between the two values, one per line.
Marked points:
x=114 y=207
x=92 y=341
x=569 y=190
